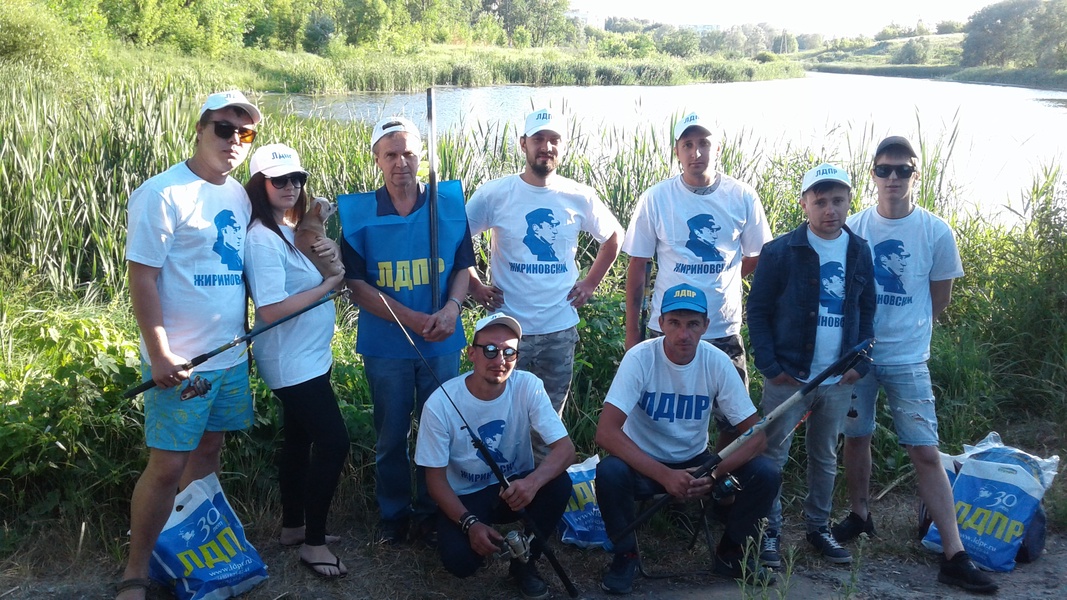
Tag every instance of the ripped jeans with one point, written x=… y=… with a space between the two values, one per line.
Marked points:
x=911 y=402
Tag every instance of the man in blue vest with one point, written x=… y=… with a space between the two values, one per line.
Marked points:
x=386 y=254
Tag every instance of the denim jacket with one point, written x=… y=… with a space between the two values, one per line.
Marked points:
x=783 y=304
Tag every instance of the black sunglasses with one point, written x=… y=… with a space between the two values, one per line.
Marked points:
x=491 y=351
x=298 y=179
x=903 y=171
x=226 y=130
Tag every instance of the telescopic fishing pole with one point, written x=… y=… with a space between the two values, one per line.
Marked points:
x=488 y=458
x=201 y=359
x=431 y=201
x=840 y=366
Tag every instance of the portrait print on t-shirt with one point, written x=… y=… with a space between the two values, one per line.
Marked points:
x=542 y=227
x=832 y=294
x=703 y=233
x=890 y=260
x=492 y=433
x=228 y=243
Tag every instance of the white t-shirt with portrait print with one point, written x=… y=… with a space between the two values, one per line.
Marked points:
x=833 y=255
x=533 y=261
x=503 y=423
x=193 y=231
x=699 y=240
x=903 y=320
x=299 y=349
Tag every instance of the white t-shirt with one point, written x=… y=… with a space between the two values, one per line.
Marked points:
x=503 y=423
x=833 y=255
x=903 y=321
x=534 y=241
x=299 y=349
x=699 y=240
x=674 y=403
x=193 y=231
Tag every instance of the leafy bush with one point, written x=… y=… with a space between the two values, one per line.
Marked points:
x=913 y=52
x=31 y=34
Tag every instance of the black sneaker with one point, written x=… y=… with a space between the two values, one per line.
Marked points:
x=424 y=529
x=735 y=567
x=770 y=549
x=961 y=572
x=531 y=586
x=851 y=528
x=391 y=532
x=619 y=578
x=825 y=544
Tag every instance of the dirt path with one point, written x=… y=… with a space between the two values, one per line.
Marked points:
x=888 y=571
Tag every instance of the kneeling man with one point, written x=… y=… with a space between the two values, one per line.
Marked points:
x=501 y=405
x=655 y=426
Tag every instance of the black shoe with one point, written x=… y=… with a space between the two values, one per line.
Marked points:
x=825 y=544
x=961 y=572
x=851 y=528
x=619 y=578
x=424 y=529
x=736 y=567
x=770 y=549
x=531 y=585
x=391 y=532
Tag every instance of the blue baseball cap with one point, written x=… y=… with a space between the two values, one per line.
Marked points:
x=684 y=297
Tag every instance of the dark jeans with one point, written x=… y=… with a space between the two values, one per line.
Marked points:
x=545 y=510
x=313 y=453
x=399 y=388
x=618 y=485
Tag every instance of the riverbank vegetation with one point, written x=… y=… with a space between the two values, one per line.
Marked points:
x=69 y=158
x=1015 y=42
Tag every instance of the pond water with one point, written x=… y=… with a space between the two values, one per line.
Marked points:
x=1004 y=135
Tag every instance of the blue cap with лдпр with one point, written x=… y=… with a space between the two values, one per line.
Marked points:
x=684 y=297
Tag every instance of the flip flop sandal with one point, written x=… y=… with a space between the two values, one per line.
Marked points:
x=335 y=564
x=133 y=584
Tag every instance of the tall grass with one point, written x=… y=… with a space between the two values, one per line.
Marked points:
x=69 y=159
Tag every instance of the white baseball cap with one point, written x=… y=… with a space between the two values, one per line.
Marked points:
x=498 y=319
x=274 y=160
x=220 y=100
x=825 y=172
x=543 y=119
x=690 y=120
x=389 y=125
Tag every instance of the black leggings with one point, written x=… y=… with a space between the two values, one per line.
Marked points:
x=313 y=453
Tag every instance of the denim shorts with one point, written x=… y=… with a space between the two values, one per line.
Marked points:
x=171 y=423
x=911 y=402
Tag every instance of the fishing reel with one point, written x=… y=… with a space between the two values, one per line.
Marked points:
x=516 y=545
x=725 y=487
x=198 y=386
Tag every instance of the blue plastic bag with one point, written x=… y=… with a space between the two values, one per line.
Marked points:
x=582 y=524
x=202 y=552
x=997 y=493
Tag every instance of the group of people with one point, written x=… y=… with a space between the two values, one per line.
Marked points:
x=197 y=239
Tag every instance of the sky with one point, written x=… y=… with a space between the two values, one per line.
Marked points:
x=828 y=17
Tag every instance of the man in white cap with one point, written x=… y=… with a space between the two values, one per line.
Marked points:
x=908 y=304
x=501 y=405
x=700 y=205
x=798 y=330
x=386 y=253
x=184 y=250
x=535 y=218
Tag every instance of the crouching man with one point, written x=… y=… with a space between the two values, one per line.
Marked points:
x=655 y=426
x=501 y=406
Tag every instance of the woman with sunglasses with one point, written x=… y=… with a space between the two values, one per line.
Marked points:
x=294 y=359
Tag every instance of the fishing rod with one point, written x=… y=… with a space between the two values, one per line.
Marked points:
x=488 y=458
x=431 y=200
x=201 y=359
x=841 y=365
